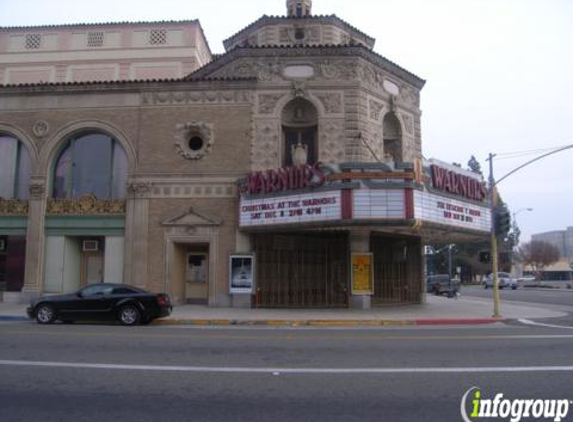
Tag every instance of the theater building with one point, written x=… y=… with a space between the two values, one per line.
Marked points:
x=286 y=172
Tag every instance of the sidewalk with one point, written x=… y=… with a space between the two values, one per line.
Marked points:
x=437 y=311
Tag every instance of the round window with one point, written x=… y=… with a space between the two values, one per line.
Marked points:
x=195 y=143
x=299 y=34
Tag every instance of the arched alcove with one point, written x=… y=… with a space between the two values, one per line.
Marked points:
x=392 y=132
x=299 y=120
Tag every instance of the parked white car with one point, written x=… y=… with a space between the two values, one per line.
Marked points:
x=505 y=280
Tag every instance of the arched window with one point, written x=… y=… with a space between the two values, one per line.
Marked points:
x=15 y=168
x=91 y=163
x=392 y=137
x=300 y=130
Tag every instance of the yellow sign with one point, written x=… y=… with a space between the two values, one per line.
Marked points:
x=362 y=274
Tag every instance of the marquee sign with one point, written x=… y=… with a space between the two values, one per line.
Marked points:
x=284 y=179
x=456 y=183
x=438 y=209
x=451 y=196
x=291 y=209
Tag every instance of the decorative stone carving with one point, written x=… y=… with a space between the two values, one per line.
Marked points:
x=13 y=207
x=41 y=128
x=196 y=97
x=192 y=217
x=332 y=141
x=313 y=34
x=37 y=190
x=339 y=69
x=263 y=70
x=299 y=89
x=408 y=122
x=139 y=189
x=86 y=205
x=332 y=102
x=411 y=97
x=375 y=109
x=299 y=154
x=268 y=102
x=265 y=148
x=186 y=132
x=376 y=143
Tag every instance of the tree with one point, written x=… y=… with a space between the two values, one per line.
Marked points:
x=538 y=255
x=474 y=165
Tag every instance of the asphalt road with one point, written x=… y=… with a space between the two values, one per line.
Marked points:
x=531 y=295
x=108 y=373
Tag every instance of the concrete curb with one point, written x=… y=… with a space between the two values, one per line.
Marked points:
x=329 y=323
x=306 y=323
x=13 y=318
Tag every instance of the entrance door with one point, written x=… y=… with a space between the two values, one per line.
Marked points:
x=196 y=278
x=93 y=268
x=397 y=270
x=302 y=271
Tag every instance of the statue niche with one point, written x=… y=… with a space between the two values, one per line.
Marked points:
x=300 y=130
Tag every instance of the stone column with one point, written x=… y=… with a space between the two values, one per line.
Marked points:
x=35 y=238
x=360 y=243
x=137 y=234
x=243 y=244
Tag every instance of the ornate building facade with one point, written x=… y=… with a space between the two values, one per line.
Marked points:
x=286 y=172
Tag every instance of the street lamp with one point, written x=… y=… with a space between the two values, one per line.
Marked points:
x=520 y=210
x=514 y=220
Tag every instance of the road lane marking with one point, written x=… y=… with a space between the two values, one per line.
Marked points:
x=301 y=335
x=541 y=324
x=272 y=371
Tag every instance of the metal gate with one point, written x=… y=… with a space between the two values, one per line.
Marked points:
x=301 y=271
x=397 y=270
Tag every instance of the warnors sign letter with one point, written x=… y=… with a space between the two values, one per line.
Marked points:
x=284 y=179
x=458 y=184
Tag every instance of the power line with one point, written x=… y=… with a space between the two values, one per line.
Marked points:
x=523 y=153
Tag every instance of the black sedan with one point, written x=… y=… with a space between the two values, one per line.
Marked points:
x=102 y=302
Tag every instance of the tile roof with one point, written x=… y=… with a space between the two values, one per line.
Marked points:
x=124 y=82
x=95 y=24
x=266 y=19
x=326 y=49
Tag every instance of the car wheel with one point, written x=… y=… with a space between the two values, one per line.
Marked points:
x=514 y=288
x=129 y=315
x=45 y=314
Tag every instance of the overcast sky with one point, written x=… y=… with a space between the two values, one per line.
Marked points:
x=499 y=74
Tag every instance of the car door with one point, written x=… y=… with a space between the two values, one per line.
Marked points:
x=91 y=303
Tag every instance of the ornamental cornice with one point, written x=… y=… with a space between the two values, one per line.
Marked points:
x=196 y=97
x=85 y=205
x=232 y=65
x=13 y=207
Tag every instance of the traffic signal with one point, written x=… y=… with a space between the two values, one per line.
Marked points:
x=485 y=257
x=501 y=221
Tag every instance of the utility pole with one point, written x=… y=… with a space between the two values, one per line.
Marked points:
x=492 y=202
x=494 y=264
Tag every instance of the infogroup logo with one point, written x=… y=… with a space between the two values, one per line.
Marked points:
x=515 y=410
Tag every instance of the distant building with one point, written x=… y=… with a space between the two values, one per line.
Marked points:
x=562 y=239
